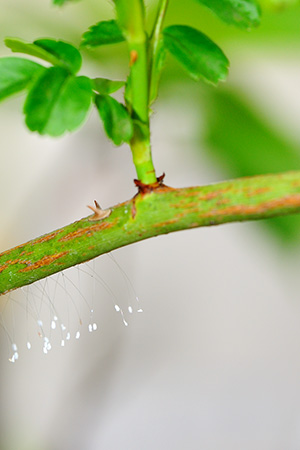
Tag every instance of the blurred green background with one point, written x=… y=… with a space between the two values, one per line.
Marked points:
x=213 y=363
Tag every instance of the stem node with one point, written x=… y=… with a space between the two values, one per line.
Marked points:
x=147 y=188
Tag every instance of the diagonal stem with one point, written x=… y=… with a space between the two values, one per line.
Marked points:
x=155 y=50
x=163 y=210
x=158 y=23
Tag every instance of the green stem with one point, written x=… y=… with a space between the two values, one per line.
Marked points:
x=158 y=23
x=156 y=52
x=161 y=211
x=139 y=80
x=140 y=142
x=131 y=18
x=142 y=158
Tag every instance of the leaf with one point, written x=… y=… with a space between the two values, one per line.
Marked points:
x=105 y=86
x=16 y=74
x=66 y=53
x=105 y=32
x=58 y=53
x=242 y=13
x=58 y=102
x=245 y=144
x=116 y=120
x=201 y=57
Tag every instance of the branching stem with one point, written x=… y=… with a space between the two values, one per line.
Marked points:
x=164 y=210
x=155 y=42
x=158 y=23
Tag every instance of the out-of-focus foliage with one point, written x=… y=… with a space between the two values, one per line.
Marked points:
x=62 y=2
x=243 y=139
x=245 y=144
x=16 y=74
x=278 y=5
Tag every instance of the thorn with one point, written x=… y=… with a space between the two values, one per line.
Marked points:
x=99 y=213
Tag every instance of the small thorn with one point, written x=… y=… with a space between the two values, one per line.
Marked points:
x=99 y=213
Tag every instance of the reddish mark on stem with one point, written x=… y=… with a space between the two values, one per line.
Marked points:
x=7 y=264
x=47 y=237
x=147 y=188
x=88 y=231
x=44 y=261
x=133 y=57
x=292 y=201
x=133 y=209
x=12 y=262
x=166 y=223
x=253 y=192
x=202 y=195
x=296 y=183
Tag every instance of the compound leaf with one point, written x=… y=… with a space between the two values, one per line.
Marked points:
x=116 y=119
x=200 y=56
x=16 y=74
x=58 y=102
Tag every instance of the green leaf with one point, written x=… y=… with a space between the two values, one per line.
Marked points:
x=245 y=144
x=105 y=32
x=16 y=74
x=58 y=102
x=66 y=53
x=58 y=53
x=242 y=13
x=116 y=120
x=105 y=86
x=201 y=57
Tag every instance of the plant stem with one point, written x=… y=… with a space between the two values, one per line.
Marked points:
x=131 y=17
x=161 y=211
x=140 y=142
x=144 y=78
x=158 y=23
x=156 y=52
x=142 y=158
x=139 y=79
